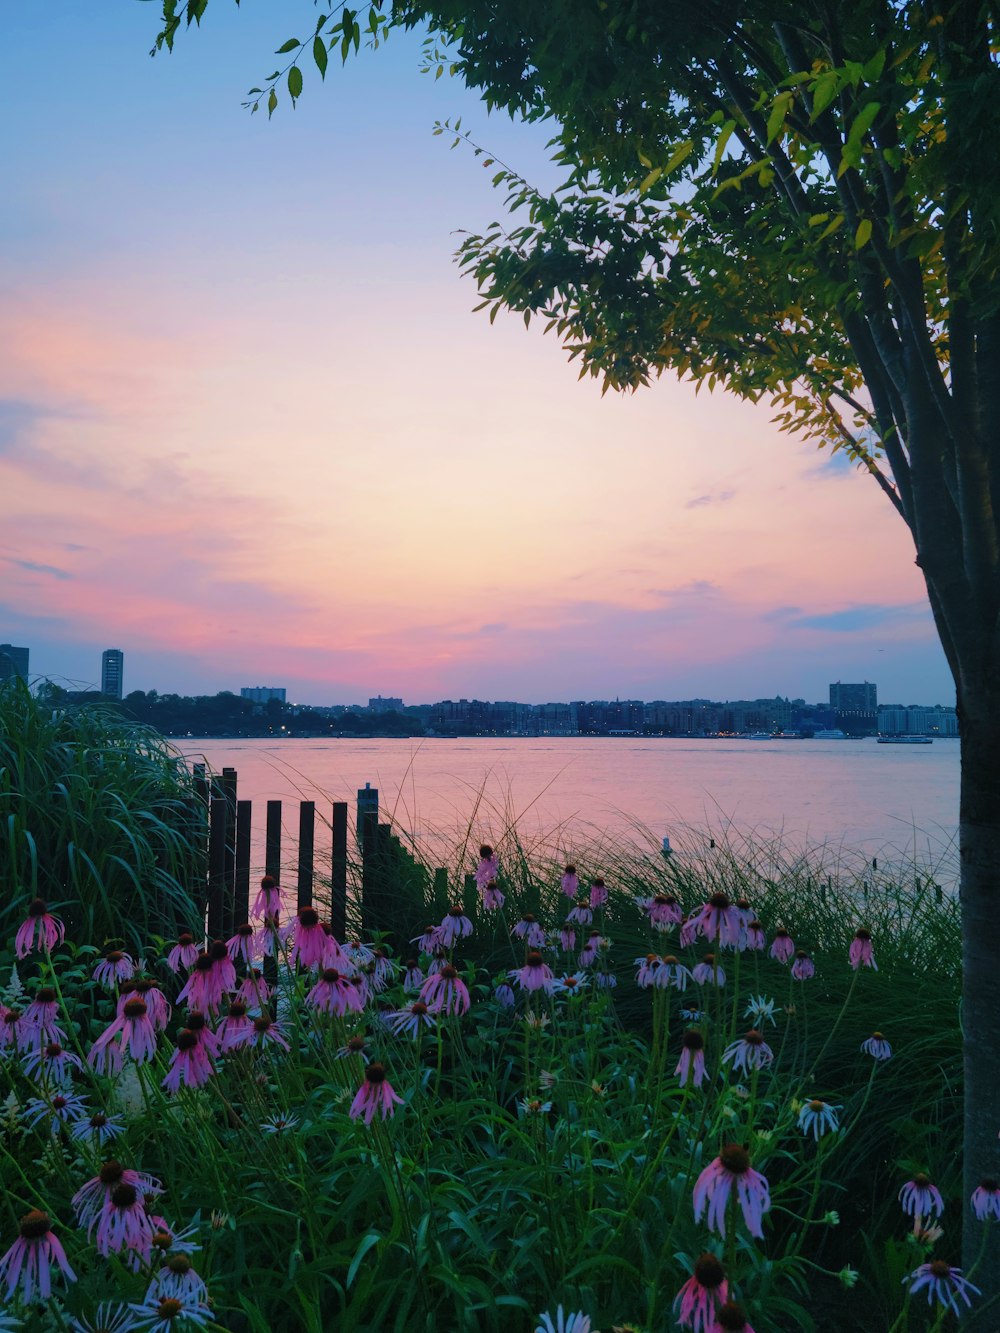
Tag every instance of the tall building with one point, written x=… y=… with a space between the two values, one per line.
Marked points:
x=13 y=662
x=854 y=698
x=262 y=694
x=112 y=672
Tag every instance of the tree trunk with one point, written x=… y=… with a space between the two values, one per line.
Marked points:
x=979 y=847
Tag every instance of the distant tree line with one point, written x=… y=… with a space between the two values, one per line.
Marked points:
x=226 y=714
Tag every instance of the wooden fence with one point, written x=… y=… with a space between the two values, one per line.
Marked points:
x=388 y=889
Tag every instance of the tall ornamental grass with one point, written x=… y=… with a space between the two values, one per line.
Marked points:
x=97 y=816
x=644 y=1104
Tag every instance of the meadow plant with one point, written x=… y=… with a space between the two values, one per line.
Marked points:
x=497 y=1132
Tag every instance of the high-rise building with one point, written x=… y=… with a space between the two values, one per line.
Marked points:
x=112 y=672
x=13 y=662
x=854 y=698
x=262 y=694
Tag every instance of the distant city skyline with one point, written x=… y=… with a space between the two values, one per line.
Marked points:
x=281 y=446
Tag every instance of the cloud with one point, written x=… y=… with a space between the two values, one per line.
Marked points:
x=34 y=567
x=17 y=419
x=710 y=498
x=852 y=619
x=495 y=627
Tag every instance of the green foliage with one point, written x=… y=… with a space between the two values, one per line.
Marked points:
x=98 y=817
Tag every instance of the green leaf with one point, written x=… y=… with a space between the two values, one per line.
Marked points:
x=290 y=45
x=779 y=112
x=295 y=82
x=720 y=146
x=367 y=1242
x=320 y=55
x=272 y=102
x=863 y=233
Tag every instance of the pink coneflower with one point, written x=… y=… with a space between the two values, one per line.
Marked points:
x=413 y=977
x=714 y=1186
x=504 y=996
x=708 y=972
x=38 y=1023
x=488 y=867
x=691 y=1065
x=51 y=1063
x=309 y=944
x=235 y=1029
x=576 y=1322
x=445 y=992
x=598 y=892
x=455 y=926
x=190 y=1064
x=493 y=898
x=383 y=969
x=699 y=1298
x=166 y=1313
x=241 y=945
x=782 y=948
x=570 y=882
x=664 y=911
x=818 y=1118
x=123 y=1222
x=335 y=956
x=860 y=953
x=272 y=937
x=877 y=1047
x=27 y=1265
x=580 y=914
x=575 y=983
x=355 y=1046
x=731 y=1318
x=567 y=939
x=530 y=931
x=375 y=1094
x=753 y=936
x=750 y=1052
x=647 y=969
x=10 y=1027
x=803 y=968
x=986 y=1200
x=40 y=931
x=357 y=953
x=199 y=991
x=335 y=994
x=157 y=1003
x=177 y=1277
x=184 y=952
x=91 y=1200
x=113 y=968
x=942 y=1283
x=592 y=946
x=428 y=941
x=106 y=1054
x=268 y=900
x=920 y=1198
x=224 y=972
x=267 y=1032
x=134 y=1030
x=605 y=980
x=59 y=1109
x=197 y=1024
x=718 y=920
x=97 y=1129
x=671 y=972
x=253 y=989
x=411 y=1021
x=439 y=961
x=688 y=932
x=535 y=975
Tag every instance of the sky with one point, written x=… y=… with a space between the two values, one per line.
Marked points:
x=253 y=432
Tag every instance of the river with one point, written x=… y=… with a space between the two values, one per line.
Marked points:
x=569 y=795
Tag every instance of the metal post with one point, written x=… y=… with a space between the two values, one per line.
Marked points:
x=272 y=843
x=307 y=835
x=338 y=870
x=218 y=811
x=241 y=901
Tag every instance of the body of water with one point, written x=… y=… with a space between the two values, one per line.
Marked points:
x=566 y=795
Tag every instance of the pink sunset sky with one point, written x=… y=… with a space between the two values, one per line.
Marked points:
x=252 y=432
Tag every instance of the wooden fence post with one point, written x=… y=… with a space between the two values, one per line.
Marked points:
x=241 y=900
x=229 y=781
x=307 y=837
x=218 y=813
x=272 y=844
x=338 y=871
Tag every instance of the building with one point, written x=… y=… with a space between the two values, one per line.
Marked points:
x=263 y=694
x=380 y=705
x=854 y=698
x=112 y=672
x=13 y=662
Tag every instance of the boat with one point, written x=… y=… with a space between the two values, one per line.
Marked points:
x=830 y=734
x=906 y=740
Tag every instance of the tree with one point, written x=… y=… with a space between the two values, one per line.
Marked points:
x=794 y=199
